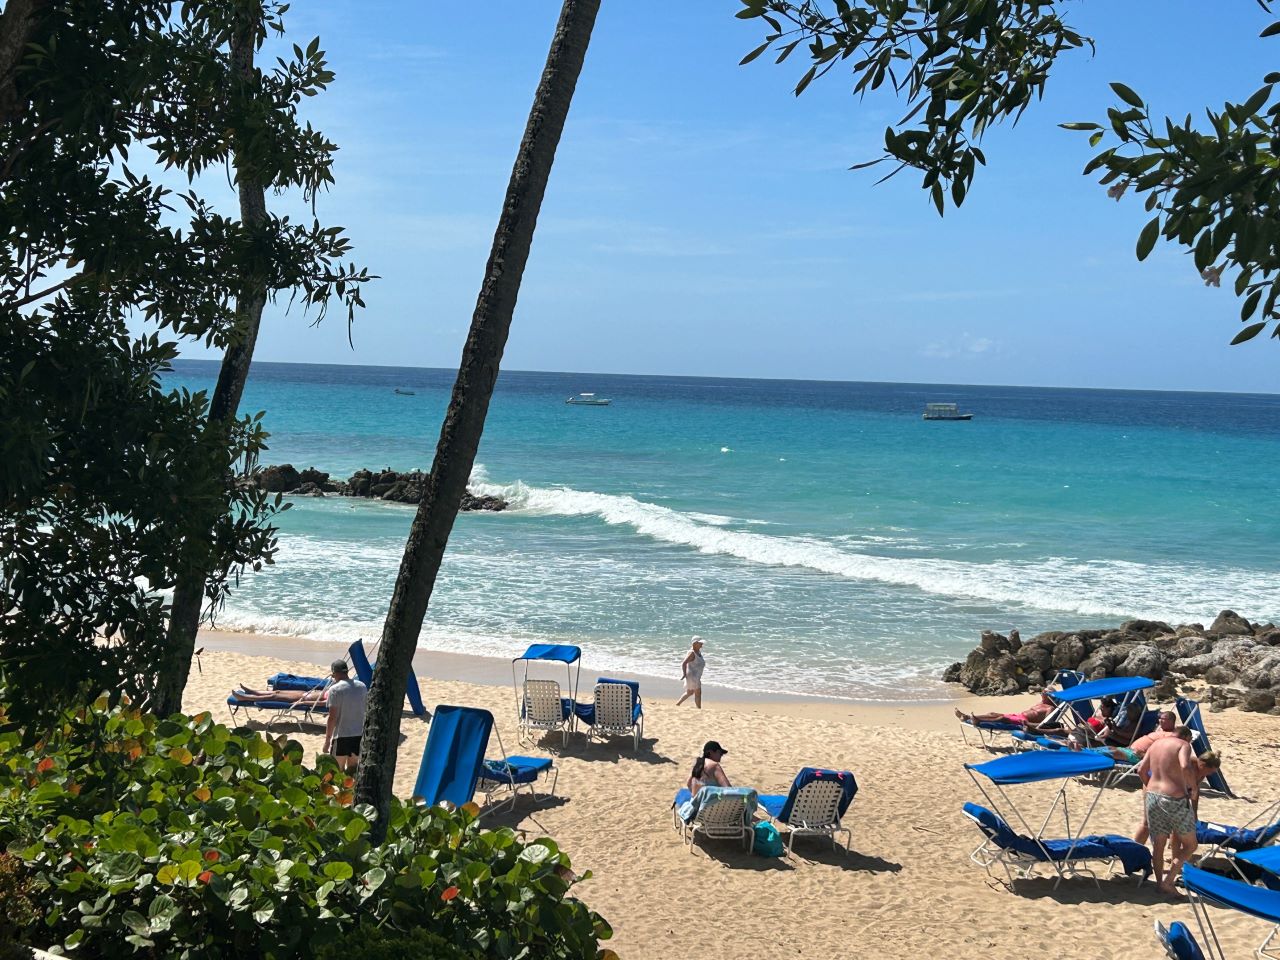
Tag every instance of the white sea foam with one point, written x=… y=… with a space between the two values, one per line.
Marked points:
x=1091 y=587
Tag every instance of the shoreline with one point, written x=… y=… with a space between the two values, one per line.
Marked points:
x=919 y=714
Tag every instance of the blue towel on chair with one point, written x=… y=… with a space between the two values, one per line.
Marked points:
x=687 y=808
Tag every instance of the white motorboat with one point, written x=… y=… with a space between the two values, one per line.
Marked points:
x=589 y=400
x=944 y=411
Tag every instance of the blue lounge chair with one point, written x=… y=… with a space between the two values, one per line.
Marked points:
x=718 y=813
x=278 y=711
x=364 y=673
x=1260 y=865
x=616 y=710
x=814 y=805
x=453 y=762
x=1190 y=713
x=988 y=731
x=1178 y=942
x=1203 y=886
x=1017 y=852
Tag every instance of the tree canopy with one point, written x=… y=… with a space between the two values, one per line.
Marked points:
x=109 y=483
x=965 y=65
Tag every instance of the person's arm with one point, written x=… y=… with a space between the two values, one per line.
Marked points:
x=1144 y=770
x=718 y=773
x=684 y=667
x=331 y=724
x=1190 y=774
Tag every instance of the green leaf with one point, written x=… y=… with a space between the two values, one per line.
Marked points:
x=1080 y=126
x=337 y=870
x=1127 y=94
x=1147 y=239
x=1248 y=333
x=754 y=53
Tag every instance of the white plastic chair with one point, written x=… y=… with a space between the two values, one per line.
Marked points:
x=724 y=818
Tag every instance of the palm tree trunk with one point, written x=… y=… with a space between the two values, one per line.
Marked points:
x=464 y=420
x=188 y=594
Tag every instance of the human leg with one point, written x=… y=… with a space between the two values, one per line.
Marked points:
x=1158 y=842
x=697 y=698
x=1181 y=849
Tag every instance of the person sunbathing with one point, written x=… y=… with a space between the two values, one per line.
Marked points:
x=1132 y=753
x=1029 y=718
x=249 y=695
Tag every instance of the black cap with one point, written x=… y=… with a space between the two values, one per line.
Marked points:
x=711 y=746
x=338 y=666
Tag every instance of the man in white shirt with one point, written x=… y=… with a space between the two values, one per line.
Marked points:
x=346 y=717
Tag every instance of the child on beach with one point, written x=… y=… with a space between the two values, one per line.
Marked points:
x=692 y=669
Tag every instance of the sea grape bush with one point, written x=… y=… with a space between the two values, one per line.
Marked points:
x=142 y=836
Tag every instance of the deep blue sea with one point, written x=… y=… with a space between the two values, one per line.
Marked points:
x=821 y=537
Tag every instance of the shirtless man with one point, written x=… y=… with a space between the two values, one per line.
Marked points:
x=1168 y=727
x=1170 y=794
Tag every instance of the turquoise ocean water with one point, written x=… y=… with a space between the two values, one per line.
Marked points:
x=820 y=536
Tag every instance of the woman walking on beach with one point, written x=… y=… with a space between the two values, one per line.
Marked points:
x=692 y=669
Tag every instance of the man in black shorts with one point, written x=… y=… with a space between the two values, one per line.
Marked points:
x=346 y=717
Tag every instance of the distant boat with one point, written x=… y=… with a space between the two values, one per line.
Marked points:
x=405 y=393
x=944 y=411
x=589 y=400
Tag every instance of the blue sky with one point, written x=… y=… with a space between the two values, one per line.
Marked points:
x=701 y=219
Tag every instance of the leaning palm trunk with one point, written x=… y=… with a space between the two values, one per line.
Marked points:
x=464 y=420
x=188 y=593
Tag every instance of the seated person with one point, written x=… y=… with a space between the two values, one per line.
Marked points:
x=1029 y=718
x=1121 y=733
x=249 y=695
x=707 y=770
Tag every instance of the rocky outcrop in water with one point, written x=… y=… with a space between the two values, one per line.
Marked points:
x=390 y=485
x=1238 y=660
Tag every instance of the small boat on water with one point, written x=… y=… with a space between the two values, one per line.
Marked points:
x=405 y=393
x=589 y=400
x=944 y=411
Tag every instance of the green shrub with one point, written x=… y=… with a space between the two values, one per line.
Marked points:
x=367 y=942
x=178 y=838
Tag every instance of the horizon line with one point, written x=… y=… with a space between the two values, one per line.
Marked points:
x=704 y=376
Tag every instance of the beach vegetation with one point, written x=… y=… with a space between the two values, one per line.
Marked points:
x=177 y=837
x=963 y=67
x=469 y=404
x=118 y=122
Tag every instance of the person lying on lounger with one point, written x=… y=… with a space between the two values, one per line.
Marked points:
x=249 y=695
x=1132 y=753
x=1029 y=718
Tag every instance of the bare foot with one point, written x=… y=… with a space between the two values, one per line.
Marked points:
x=963 y=718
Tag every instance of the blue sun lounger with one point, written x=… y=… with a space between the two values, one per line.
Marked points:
x=814 y=805
x=453 y=762
x=278 y=711
x=1205 y=887
x=1190 y=713
x=364 y=673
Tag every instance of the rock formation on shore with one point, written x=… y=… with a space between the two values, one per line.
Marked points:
x=1239 y=660
x=379 y=485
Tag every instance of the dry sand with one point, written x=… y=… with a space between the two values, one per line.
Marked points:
x=905 y=889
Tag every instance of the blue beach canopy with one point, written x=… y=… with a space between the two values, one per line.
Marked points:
x=1267 y=858
x=1036 y=765
x=1106 y=687
x=1189 y=711
x=1255 y=901
x=454 y=754
x=552 y=651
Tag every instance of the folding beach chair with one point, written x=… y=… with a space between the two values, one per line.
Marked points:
x=1204 y=887
x=1024 y=852
x=1190 y=713
x=987 y=732
x=816 y=802
x=617 y=711
x=1178 y=941
x=543 y=709
x=278 y=711
x=1221 y=838
x=453 y=762
x=718 y=813
x=359 y=661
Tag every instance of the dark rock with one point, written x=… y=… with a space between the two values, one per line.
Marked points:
x=1271 y=636
x=1067 y=653
x=1103 y=661
x=1145 y=627
x=279 y=479
x=380 y=488
x=308 y=490
x=1189 y=630
x=312 y=475
x=1033 y=658
x=471 y=502
x=1192 y=645
x=1144 y=660
x=1264 y=671
x=1229 y=624
x=991 y=668
x=952 y=673
x=1257 y=701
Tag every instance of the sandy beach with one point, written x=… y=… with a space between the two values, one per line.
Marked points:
x=905 y=889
